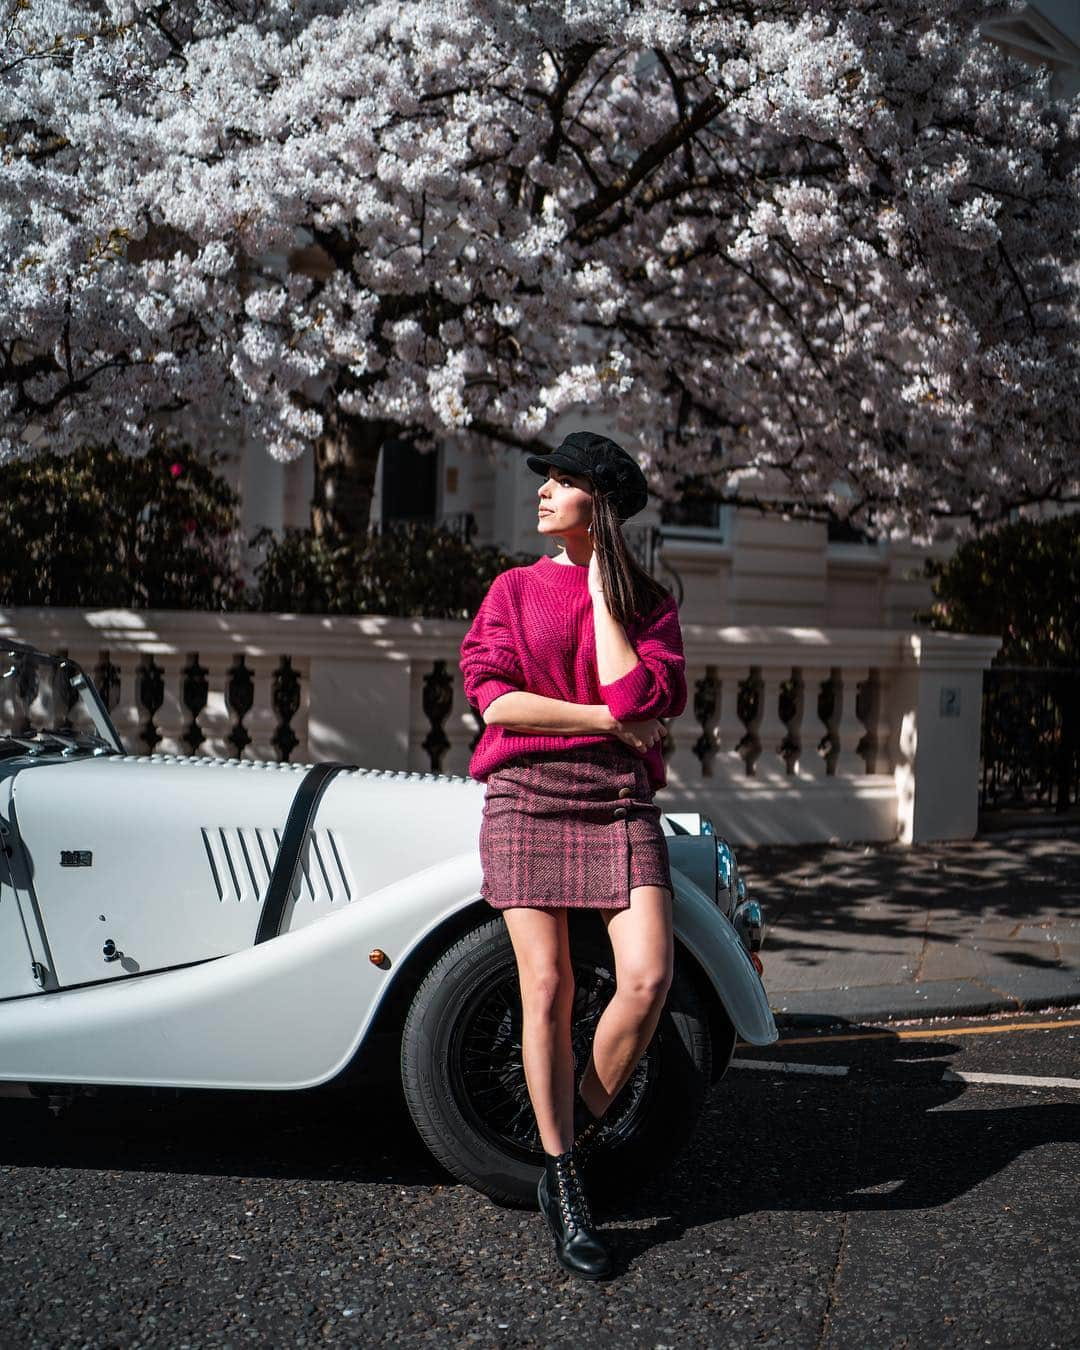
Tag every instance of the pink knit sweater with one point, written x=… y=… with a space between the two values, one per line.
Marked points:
x=534 y=631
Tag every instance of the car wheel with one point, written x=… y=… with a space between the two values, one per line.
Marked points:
x=465 y=1086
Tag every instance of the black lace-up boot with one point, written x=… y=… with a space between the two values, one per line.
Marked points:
x=564 y=1204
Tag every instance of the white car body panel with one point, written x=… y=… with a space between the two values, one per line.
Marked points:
x=182 y=851
x=183 y=848
x=287 y=1014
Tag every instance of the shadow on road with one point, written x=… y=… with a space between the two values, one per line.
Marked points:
x=892 y=1135
x=360 y=1136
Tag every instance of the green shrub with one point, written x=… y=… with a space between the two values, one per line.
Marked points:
x=1021 y=582
x=99 y=528
x=410 y=570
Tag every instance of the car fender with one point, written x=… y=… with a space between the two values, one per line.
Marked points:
x=704 y=931
x=290 y=1013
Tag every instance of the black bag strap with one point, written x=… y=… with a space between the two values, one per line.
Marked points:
x=293 y=839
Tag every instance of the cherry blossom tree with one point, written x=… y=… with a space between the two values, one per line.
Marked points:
x=825 y=251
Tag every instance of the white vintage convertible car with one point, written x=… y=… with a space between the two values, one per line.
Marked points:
x=192 y=922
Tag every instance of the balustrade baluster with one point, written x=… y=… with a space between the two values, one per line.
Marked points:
x=116 y=682
x=876 y=750
x=886 y=745
x=261 y=722
x=791 y=710
x=849 y=728
x=149 y=696
x=829 y=705
x=438 y=699
x=239 y=696
x=215 y=718
x=106 y=677
x=730 y=728
x=706 y=700
x=171 y=716
x=194 y=691
x=285 y=698
x=749 y=705
x=771 y=731
x=301 y=718
x=814 y=730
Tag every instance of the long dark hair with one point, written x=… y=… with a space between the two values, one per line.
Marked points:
x=631 y=593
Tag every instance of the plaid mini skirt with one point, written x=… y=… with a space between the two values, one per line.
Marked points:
x=571 y=830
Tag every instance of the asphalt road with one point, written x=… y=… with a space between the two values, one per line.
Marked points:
x=882 y=1204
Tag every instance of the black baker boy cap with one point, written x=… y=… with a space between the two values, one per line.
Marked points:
x=606 y=465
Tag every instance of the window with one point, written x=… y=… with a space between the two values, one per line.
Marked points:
x=841 y=532
x=409 y=482
x=698 y=513
x=695 y=514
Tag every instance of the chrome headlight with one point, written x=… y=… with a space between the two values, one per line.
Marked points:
x=747 y=916
x=749 y=921
x=727 y=876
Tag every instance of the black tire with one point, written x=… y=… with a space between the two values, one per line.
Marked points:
x=465 y=1086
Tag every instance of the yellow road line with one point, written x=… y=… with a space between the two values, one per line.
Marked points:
x=940 y=1034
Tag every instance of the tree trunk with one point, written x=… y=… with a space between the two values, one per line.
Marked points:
x=346 y=456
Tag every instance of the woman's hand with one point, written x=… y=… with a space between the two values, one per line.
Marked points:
x=596 y=584
x=640 y=736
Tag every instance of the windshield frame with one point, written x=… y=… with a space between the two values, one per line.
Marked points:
x=104 y=739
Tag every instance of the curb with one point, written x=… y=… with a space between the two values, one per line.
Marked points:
x=925 y=1012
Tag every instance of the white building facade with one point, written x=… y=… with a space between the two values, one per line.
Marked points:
x=731 y=564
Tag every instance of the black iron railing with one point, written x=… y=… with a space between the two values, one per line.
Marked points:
x=1030 y=746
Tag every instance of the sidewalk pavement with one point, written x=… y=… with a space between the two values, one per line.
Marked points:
x=887 y=932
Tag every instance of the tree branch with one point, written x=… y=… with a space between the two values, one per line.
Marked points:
x=588 y=214
x=1032 y=326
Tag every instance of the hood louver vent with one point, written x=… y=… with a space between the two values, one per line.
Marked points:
x=241 y=860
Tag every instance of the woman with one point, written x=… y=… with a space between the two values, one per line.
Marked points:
x=572 y=661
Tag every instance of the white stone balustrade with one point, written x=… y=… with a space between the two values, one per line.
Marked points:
x=790 y=734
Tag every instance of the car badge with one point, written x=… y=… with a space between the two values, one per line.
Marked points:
x=76 y=857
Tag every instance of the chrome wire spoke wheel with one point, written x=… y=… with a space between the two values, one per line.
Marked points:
x=487 y=1067
x=593 y=987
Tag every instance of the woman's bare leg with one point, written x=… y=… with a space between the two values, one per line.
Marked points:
x=542 y=947
x=644 y=949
